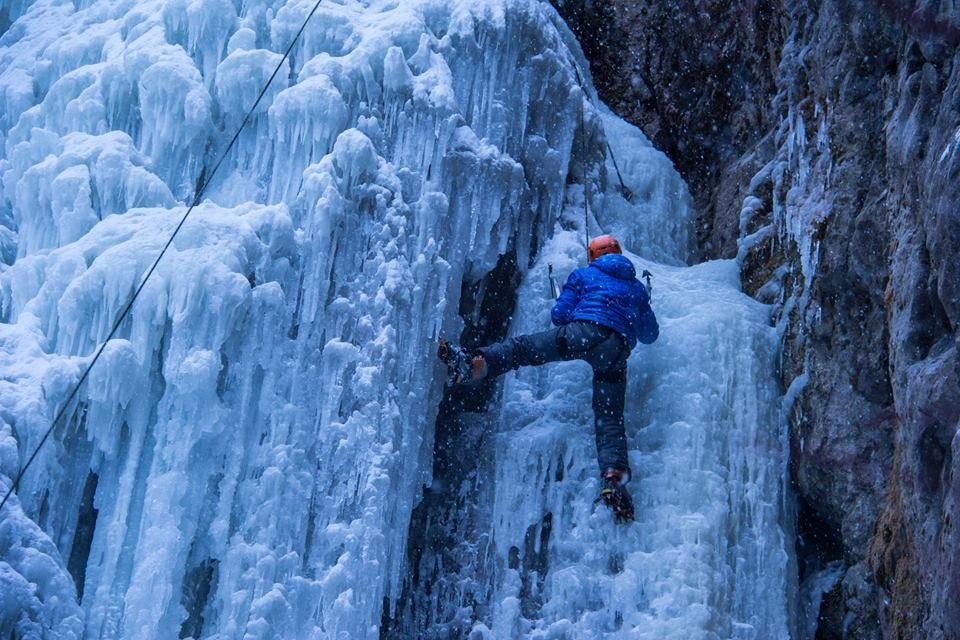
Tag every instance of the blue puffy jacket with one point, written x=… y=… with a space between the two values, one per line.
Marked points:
x=608 y=293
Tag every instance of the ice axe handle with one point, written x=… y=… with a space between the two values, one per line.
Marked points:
x=553 y=283
x=647 y=275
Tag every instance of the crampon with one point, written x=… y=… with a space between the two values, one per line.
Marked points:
x=615 y=495
x=461 y=367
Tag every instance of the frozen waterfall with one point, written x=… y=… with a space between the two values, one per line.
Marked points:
x=268 y=451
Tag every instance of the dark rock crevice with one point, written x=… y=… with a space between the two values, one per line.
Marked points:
x=448 y=585
x=195 y=596
x=83 y=537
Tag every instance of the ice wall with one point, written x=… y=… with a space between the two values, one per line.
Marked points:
x=243 y=460
x=708 y=556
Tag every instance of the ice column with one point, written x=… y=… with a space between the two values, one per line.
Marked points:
x=244 y=459
x=707 y=557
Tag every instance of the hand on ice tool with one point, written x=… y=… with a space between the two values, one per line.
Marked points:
x=614 y=495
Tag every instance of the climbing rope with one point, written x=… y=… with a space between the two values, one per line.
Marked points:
x=583 y=163
x=624 y=189
x=126 y=310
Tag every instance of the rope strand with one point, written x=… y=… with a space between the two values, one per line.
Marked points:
x=143 y=281
x=583 y=163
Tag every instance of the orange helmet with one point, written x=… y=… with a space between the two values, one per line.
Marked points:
x=602 y=245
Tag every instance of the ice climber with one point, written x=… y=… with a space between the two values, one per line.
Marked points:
x=601 y=313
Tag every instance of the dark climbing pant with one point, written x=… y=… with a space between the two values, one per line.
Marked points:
x=604 y=349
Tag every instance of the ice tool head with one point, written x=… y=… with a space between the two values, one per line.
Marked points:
x=602 y=245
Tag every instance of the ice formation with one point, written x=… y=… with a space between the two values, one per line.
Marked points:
x=245 y=460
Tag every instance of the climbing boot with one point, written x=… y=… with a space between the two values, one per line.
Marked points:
x=462 y=369
x=614 y=494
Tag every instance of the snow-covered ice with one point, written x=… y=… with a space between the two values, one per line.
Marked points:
x=707 y=558
x=244 y=459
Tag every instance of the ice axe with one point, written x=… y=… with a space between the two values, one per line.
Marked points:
x=554 y=291
x=646 y=276
x=624 y=190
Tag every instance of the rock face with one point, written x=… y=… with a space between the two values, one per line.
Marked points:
x=821 y=142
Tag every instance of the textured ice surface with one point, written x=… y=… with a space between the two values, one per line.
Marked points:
x=244 y=460
x=706 y=557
